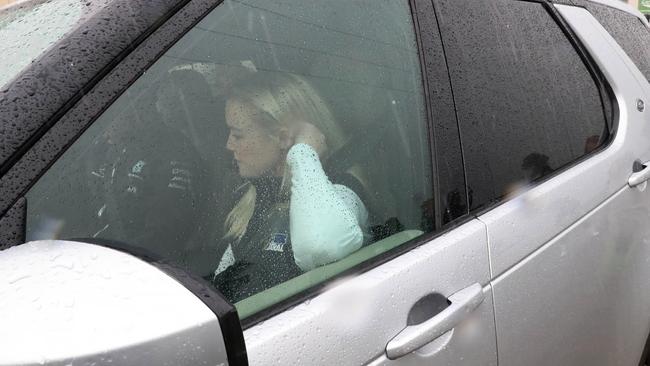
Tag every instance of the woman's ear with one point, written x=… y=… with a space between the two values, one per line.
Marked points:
x=286 y=137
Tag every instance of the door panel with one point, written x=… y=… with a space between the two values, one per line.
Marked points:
x=351 y=323
x=582 y=297
x=522 y=225
x=457 y=347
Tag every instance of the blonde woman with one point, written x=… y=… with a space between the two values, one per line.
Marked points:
x=290 y=216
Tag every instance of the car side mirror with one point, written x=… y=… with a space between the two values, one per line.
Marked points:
x=67 y=302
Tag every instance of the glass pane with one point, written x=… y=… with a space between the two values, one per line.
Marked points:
x=527 y=105
x=273 y=141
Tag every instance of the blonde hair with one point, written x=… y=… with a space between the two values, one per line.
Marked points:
x=287 y=99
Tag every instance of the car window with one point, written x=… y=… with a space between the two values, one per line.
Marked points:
x=274 y=146
x=630 y=33
x=527 y=104
x=29 y=28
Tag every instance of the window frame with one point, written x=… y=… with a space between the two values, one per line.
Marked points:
x=53 y=144
x=607 y=97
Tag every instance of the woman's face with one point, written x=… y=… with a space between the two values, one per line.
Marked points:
x=256 y=151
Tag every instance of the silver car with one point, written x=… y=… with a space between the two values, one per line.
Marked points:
x=304 y=182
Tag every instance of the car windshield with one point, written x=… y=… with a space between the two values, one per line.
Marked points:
x=29 y=28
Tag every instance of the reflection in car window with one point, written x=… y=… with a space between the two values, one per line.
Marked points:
x=275 y=144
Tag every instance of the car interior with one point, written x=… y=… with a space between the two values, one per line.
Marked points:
x=358 y=67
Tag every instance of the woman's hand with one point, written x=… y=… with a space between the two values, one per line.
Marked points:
x=309 y=134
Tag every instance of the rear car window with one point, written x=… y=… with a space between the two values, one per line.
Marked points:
x=527 y=104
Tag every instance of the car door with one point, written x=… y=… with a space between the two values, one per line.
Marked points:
x=416 y=292
x=555 y=147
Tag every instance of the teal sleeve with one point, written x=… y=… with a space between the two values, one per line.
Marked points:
x=327 y=221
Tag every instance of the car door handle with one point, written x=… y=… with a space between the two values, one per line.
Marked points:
x=413 y=337
x=640 y=176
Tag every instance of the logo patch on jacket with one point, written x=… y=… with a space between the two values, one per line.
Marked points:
x=277 y=242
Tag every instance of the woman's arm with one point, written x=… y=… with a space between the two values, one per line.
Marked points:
x=327 y=220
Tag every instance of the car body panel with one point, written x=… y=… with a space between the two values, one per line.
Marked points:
x=450 y=349
x=72 y=300
x=351 y=322
x=581 y=299
x=588 y=235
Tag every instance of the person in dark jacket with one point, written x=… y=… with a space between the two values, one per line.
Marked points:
x=290 y=216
